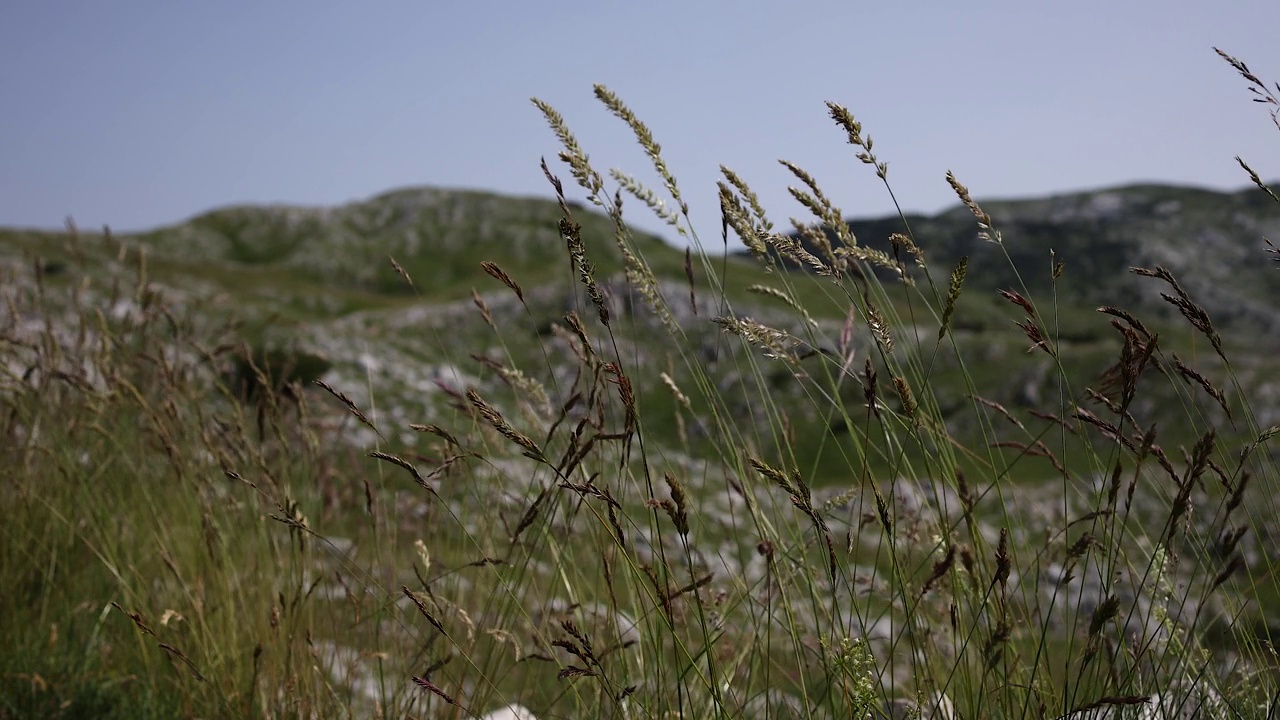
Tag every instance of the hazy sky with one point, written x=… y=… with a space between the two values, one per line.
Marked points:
x=137 y=114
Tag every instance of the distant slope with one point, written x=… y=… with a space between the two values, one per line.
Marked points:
x=439 y=236
x=319 y=280
x=1211 y=241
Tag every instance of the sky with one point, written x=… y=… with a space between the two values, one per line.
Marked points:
x=140 y=114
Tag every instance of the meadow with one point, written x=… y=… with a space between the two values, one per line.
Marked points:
x=807 y=484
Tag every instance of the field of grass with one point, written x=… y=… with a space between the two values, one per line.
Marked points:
x=757 y=492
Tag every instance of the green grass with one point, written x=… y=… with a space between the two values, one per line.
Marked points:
x=806 y=506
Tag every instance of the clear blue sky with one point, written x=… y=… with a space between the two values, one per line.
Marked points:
x=137 y=114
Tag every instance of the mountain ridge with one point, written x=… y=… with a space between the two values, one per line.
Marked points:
x=1212 y=241
x=321 y=282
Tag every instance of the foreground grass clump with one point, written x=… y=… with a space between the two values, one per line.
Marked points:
x=145 y=575
x=811 y=494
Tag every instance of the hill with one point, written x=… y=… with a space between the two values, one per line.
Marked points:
x=1211 y=241
x=438 y=236
x=320 y=281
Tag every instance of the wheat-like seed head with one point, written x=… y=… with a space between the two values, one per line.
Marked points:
x=645 y=138
x=495 y=419
x=401 y=271
x=527 y=385
x=872 y=256
x=790 y=248
x=785 y=297
x=986 y=230
x=575 y=324
x=909 y=406
x=1257 y=180
x=776 y=342
x=752 y=199
x=649 y=198
x=493 y=270
x=573 y=155
x=822 y=208
x=675 y=390
x=483 y=307
x=853 y=131
x=879 y=327
x=642 y=278
x=734 y=215
x=953 y=294
x=572 y=233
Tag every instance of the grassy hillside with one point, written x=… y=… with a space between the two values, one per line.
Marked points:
x=438 y=236
x=321 y=282
x=1209 y=239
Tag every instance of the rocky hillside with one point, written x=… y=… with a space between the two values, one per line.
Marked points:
x=1211 y=241
x=321 y=280
x=438 y=236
